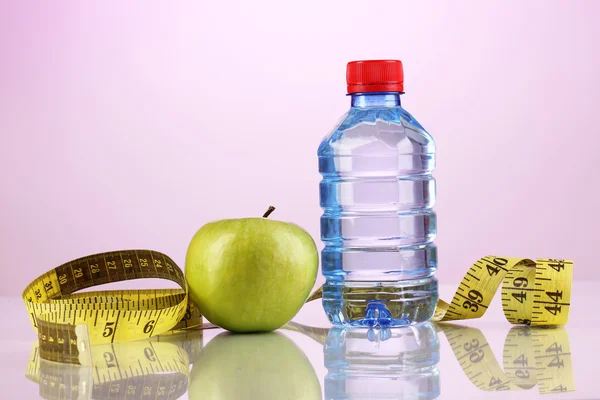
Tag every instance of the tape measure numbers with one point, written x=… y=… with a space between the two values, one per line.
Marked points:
x=533 y=293
x=69 y=323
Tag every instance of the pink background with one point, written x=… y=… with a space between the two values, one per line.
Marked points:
x=131 y=124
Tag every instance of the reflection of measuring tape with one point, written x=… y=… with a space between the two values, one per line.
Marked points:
x=536 y=294
x=532 y=356
x=156 y=368
x=68 y=323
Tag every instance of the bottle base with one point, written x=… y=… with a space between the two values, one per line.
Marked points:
x=380 y=304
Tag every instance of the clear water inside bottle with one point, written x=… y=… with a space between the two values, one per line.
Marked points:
x=378 y=223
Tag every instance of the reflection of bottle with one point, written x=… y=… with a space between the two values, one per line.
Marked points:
x=382 y=363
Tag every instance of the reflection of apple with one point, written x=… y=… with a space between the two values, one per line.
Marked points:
x=250 y=274
x=253 y=366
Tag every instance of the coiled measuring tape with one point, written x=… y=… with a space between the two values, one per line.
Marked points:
x=533 y=293
x=68 y=323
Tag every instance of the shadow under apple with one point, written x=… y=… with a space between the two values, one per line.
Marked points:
x=253 y=366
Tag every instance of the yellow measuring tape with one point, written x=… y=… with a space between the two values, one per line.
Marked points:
x=68 y=323
x=533 y=293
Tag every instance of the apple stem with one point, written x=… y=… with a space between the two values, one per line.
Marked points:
x=269 y=211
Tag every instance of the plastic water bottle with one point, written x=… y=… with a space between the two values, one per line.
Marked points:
x=382 y=363
x=377 y=195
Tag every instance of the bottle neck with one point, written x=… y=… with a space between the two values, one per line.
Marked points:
x=379 y=100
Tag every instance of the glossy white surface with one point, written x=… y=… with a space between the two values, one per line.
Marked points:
x=17 y=338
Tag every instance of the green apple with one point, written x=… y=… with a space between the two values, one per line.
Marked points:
x=250 y=274
x=255 y=366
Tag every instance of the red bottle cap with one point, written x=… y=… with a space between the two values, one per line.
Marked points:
x=375 y=76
